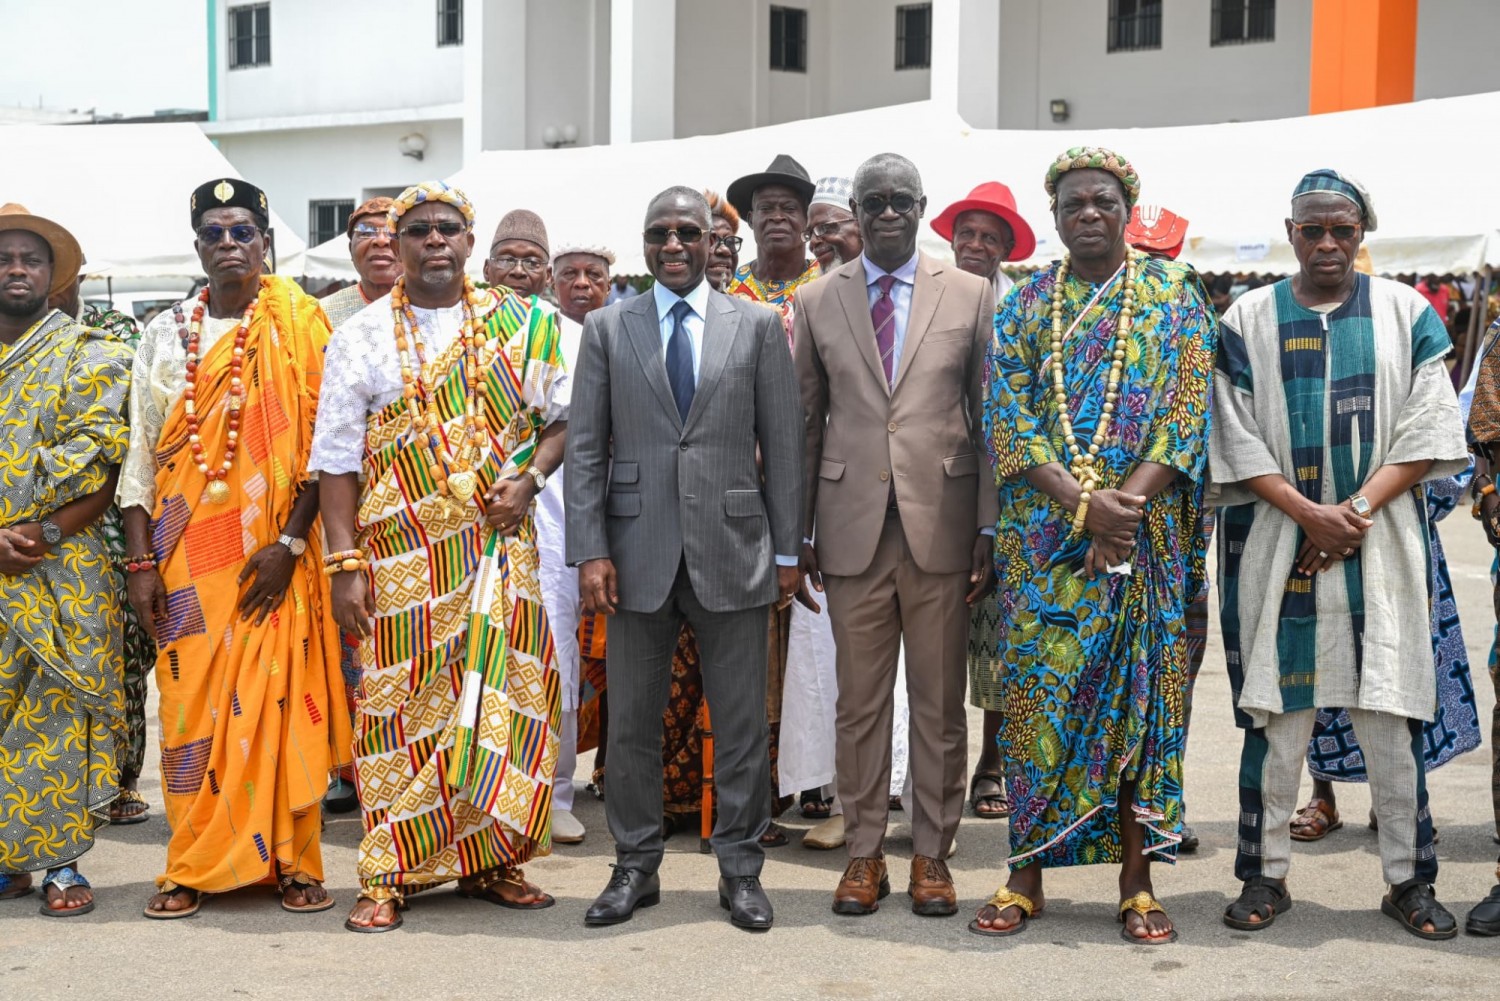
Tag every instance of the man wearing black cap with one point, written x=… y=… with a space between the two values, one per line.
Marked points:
x=62 y=435
x=775 y=201
x=224 y=569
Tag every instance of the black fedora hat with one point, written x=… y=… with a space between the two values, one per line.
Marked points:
x=783 y=170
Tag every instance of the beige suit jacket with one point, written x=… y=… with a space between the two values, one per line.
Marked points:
x=925 y=434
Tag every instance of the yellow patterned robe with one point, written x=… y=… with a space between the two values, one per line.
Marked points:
x=62 y=702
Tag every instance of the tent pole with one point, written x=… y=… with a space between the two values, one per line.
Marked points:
x=109 y=290
x=1477 y=312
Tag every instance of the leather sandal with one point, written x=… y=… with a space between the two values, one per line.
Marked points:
x=1261 y=897
x=1001 y=806
x=484 y=889
x=1414 y=904
x=1144 y=903
x=172 y=889
x=1003 y=898
x=1316 y=821
x=294 y=880
x=9 y=888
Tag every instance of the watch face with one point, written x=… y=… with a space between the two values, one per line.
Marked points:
x=51 y=534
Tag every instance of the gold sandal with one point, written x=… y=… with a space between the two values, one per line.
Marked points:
x=1003 y=898
x=485 y=883
x=290 y=880
x=1144 y=903
x=379 y=896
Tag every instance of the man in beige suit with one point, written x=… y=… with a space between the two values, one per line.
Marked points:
x=890 y=355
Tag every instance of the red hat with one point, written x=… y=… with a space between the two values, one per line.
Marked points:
x=1156 y=230
x=993 y=197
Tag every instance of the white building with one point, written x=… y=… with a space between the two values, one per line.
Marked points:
x=327 y=102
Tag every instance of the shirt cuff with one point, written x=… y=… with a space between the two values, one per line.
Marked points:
x=786 y=561
x=988 y=530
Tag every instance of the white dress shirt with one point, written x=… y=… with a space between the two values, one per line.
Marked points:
x=697 y=300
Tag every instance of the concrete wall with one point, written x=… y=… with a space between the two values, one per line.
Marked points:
x=1059 y=49
x=1456 y=47
x=320 y=64
x=724 y=81
x=296 y=167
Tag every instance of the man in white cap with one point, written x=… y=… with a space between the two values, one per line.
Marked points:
x=832 y=233
x=580 y=283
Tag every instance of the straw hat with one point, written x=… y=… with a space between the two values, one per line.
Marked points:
x=67 y=256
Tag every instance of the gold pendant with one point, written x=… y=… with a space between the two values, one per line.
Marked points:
x=461 y=486
x=217 y=492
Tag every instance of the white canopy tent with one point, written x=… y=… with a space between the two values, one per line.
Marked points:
x=123 y=190
x=1232 y=181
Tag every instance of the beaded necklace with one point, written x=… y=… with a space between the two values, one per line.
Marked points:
x=1081 y=463
x=217 y=491
x=453 y=472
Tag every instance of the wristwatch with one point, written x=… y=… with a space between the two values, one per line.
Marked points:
x=538 y=477
x=297 y=546
x=51 y=533
x=1360 y=505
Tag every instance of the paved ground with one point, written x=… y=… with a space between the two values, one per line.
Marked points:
x=1335 y=943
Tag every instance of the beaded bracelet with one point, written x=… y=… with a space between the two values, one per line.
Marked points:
x=350 y=565
x=136 y=564
x=339 y=557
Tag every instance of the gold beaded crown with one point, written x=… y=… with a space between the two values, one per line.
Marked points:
x=1094 y=158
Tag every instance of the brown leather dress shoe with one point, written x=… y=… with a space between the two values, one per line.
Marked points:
x=860 y=888
x=931 y=888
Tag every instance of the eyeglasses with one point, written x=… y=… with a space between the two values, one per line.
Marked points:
x=446 y=229
x=734 y=243
x=658 y=235
x=364 y=231
x=241 y=233
x=876 y=204
x=826 y=230
x=530 y=265
x=1314 y=232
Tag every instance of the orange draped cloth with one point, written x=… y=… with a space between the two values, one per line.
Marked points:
x=252 y=717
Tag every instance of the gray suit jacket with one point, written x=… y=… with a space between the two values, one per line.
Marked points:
x=689 y=490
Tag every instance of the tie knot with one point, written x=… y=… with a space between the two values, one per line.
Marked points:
x=680 y=310
x=886 y=283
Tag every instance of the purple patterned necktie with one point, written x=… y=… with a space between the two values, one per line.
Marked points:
x=883 y=315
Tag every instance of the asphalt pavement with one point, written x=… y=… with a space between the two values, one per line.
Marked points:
x=1334 y=944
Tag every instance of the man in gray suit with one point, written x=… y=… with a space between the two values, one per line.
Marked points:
x=669 y=518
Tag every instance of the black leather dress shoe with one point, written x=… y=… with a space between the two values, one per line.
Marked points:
x=1484 y=919
x=746 y=902
x=627 y=890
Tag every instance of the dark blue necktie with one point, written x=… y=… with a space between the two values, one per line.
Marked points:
x=680 y=360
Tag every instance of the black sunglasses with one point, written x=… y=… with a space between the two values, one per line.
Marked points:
x=1315 y=231
x=421 y=230
x=734 y=243
x=876 y=204
x=242 y=233
x=658 y=235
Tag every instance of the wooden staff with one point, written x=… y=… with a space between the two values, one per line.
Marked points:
x=706 y=826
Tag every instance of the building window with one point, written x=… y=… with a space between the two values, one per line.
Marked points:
x=250 y=36
x=1134 y=24
x=789 y=39
x=450 y=15
x=1238 y=21
x=327 y=219
x=914 y=36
